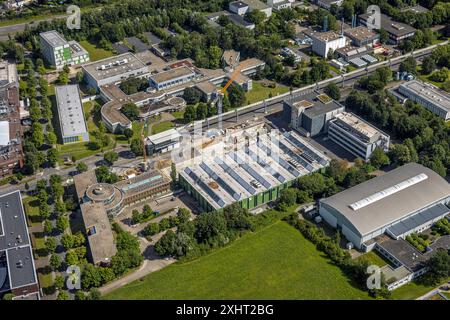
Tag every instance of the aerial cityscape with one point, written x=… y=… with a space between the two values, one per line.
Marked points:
x=225 y=150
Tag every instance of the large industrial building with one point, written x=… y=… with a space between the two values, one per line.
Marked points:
x=429 y=96
x=310 y=114
x=70 y=113
x=113 y=70
x=60 y=52
x=405 y=200
x=357 y=136
x=17 y=269
x=252 y=168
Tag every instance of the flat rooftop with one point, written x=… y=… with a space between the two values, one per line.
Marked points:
x=238 y=4
x=15 y=241
x=252 y=169
x=361 y=33
x=393 y=27
x=76 y=49
x=324 y=36
x=355 y=125
x=429 y=92
x=113 y=66
x=70 y=110
x=53 y=38
x=172 y=74
x=164 y=136
x=256 y=4
x=389 y=198
x=99 y=232
x=239 y=20
x=314 y=104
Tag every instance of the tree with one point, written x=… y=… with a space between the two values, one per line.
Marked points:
x=288 y=197
x=103 y=175
x=379 y=159
x=51 y=138
x=131 y=111
x=400 y=154
x=94 y=294
x=236 y=95
x=211 y=226
x=191 y=95
x=439 y=266
x=128 y=133
x=63 y=295
x=137 y=147
x=333 y=91
x=52 y=157
x=202 y=111
x=189 y=113
x=79 y=77
x=151 y=229
x=81 y=167
x=50 y=245
x=55 y=262
x=67 y=241
x=62 y=223
x=63 y=78
x=428 y=65
x=48 y=227
x=111 y=157
x=408 y=65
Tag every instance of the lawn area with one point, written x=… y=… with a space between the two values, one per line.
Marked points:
x=276 y=262
x=412 y=290
x=162 y=126
x=31 y=206
x=95 y=53
x=373 y=258
x=259 y=92
x=426 y=78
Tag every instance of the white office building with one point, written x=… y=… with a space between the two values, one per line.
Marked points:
x=323 y=42
x=429 y=96
x=172 y=78
x=70 y=112
x=356 y=135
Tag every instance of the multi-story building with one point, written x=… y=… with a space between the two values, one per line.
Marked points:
x=258 y=5
x=113 y=70
x=429 y=96
x=17 y=269
x=70 y=113
x=11 y=132
x=356 y=135
x=326 y=4
x=397 y=31
x=361 y=36
x=59 y=52
x=172 y=78
x=323 y=42
x=310 y=114
x=238 y=7
x=279 y=4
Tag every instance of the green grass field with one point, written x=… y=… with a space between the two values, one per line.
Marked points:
x=259 y=92
x=373 y=258
x=276 y=262
x=412 y=290
x=162 y=126
x=95 y=53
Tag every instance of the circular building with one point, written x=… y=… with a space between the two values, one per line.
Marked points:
x=109 y=195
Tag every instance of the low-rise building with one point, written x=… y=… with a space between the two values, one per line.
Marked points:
x=397 y=31
x=17 y=268
x=323 y=42
x=60 y=52
x=258 y=5
x=350 y=53
x=362 y=36
x=163 y=142
x=70 y=114
x=311 y=114
x=240 y=21
x=172 y=78
x=326 y=4
x=279 y=4
x=428 y=95
x=113 y=70
x=356 y=135
x=238 y=7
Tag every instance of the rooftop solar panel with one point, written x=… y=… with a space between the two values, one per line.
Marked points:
x=280 y=160
x=299 y=159
x=306 y=150
x=220 y=181
x=235 y=176
x=205 y=187
x=249 y=169
x=265 y=165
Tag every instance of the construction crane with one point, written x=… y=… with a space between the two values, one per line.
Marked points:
x=144 y=128
x=218 y=101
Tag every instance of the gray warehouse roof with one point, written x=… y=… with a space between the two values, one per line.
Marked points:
x=70 y=110
x=15 y=241
x=388 y=198
x=53 y=38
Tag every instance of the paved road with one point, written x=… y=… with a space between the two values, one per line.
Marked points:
x=16 y=28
